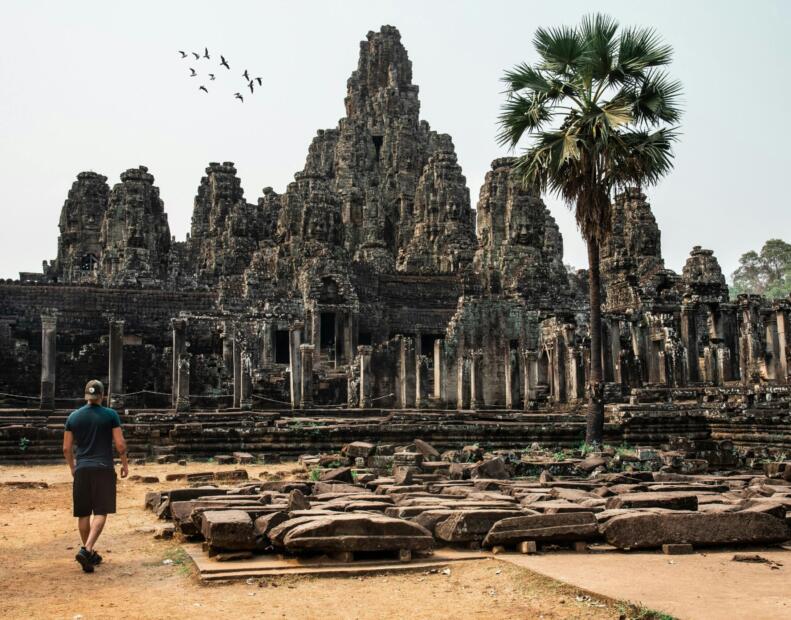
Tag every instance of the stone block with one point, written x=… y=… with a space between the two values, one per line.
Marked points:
x=672 y=500
x=228 y=529
x=352 y=532
x=651 y=531
x=563 y=527
x=470 y=525
x=493 y=468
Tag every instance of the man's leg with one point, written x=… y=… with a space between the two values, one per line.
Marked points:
x=97 y=525
x=84 y=525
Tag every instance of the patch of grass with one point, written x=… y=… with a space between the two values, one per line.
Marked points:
x=180 y=560
x=625 y=450
x=315 y=473
x=24 y=442
x=639 y=612
x=585 y=448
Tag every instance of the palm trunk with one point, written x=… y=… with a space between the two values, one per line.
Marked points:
x=594 y=433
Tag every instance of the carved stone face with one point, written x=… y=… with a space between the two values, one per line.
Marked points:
x=520 y=231
x=317 y=227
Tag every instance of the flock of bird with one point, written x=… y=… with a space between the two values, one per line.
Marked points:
x=251 y=81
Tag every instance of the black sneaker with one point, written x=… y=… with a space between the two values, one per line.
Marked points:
x=85 y=559
x=96 y=558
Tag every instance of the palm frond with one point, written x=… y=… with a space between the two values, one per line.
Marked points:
x=655 y=98
x=560 y=48
x=598 y=36
x=641 y=157
x=525 y=77
x=640 y=49
x=520 y=114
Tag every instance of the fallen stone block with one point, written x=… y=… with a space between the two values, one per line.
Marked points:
x=278 y=533
x=266 y=523
x=404 y=475
x=671 y=501
x=651 y=531
x=339 y=474
x=563 y=527
x=493 y=468
x=358 y=449
x=470 y=525
x=234 y=474
x=297 y=501
x=426 y=449
x=243 y=458
x=230 y=530
x=349 y=532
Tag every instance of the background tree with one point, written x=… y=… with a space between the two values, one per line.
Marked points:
x=767 y=273
x=599 y=115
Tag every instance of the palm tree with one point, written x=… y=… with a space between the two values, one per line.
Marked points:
x=599 y=114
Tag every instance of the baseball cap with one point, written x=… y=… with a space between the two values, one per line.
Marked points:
x=94 y=388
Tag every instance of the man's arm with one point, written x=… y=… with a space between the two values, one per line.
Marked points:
x=68 y=452
x=120 y=445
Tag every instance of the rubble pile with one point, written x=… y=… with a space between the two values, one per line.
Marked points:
x=380 y=499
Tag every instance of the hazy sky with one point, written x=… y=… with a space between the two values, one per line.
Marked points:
x=99 y=86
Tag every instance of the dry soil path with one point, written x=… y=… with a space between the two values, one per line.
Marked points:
x=39 y=578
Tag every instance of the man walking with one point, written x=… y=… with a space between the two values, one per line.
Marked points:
x=93 y=429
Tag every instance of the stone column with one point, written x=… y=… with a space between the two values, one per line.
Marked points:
x=246 y=384
x=406 y=373
x=463 y=383
x=116 y=367
x=366 y=376
x=337 y=344
x=690 y=339
x=237 y=370
x=179 y=347
x=782 y=344
x=476 y=379
x=530 y=372
x=227 y=346
x=421 y=381
x=511 y=372
x=267 y=341
x=439 y=371
x=349 y=337
x=49 y=332
x=306 y=375
x=295 y=339
x=183 y=385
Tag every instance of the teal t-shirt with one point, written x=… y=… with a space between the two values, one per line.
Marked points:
x=93 y=426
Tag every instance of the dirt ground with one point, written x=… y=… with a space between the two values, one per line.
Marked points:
x=40 y=579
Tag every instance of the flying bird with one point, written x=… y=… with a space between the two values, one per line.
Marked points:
x=206 y=53
x=250 y=86
x=258 y=80
x=238 y=96
x=183 y=54
x=203 y=88
x=197 y=56
x=193 y=74
x=224 y=62
x=211 y=76
x=246 y=76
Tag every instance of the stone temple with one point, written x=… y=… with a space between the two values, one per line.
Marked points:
x=370 y=299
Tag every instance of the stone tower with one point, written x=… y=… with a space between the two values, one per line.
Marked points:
x=377 y=155
x=135 y=233
x=79 y=243
x=520 y=246
x=225 y=228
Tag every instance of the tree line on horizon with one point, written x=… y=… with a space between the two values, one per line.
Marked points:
x=766 y=273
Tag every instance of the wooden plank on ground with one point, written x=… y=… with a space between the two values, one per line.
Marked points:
x=273 y=566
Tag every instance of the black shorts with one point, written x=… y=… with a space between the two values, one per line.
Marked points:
x=94 y=491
